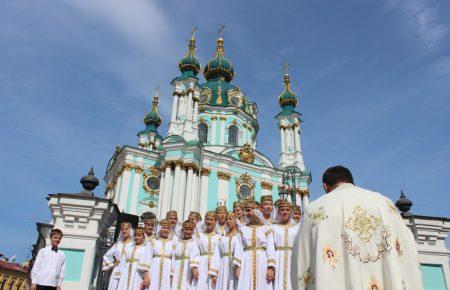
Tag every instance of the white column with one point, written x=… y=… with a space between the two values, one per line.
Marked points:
x=124 y=189
x=176 y=187
x=213 y=130
x=174 y=107
x=166 y=194
x=189 y=193
x=283 y=146
x=134 y=195
x=161 y=195
x=222 y=131
x=194 y=193
x=223 y=189
x=195 y=111
x=305 y=200
x=204 y=191
x=189 y=112
x=182 y=192
x=117 y=190
x=297 y=138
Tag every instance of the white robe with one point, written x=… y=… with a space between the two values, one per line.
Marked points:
x=208 y=258
x=114 y=259
x=353 y=239
x=284 y=236
x=134 y=268
x=256 y=252
x=184 y=260
x=160 y=253
x=227 y=279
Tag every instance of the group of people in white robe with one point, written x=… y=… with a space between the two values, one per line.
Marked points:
x=348 y=239
x=248 y=248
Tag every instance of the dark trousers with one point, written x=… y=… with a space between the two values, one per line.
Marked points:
x=39 y=287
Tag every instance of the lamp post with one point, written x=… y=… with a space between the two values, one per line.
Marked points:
x=288 y=176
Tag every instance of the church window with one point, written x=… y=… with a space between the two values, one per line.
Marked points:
x=153 y=183
x=203 y=132
x=233 y=135
x=245 y=191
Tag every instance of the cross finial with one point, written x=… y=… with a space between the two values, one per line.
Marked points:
x=285 y=66
x=193 y=32
x=219 y=33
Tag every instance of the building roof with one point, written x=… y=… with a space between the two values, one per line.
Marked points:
x=13 y=267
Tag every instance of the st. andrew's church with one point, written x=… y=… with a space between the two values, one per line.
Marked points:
x=209 y=155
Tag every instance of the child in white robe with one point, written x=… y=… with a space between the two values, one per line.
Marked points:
x=149 y=227
x=284 y=233
x=227 y=244
x=209 y=255
x=135 y=274
x=161 y=257
x=221 y=214
x=267 y=209
x=185 y=263
x=115 y=257
x=256 y=270
x=196 y=218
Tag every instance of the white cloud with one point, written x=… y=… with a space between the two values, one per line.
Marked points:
x=423 y=17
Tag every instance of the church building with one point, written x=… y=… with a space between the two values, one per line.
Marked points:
x=209 y=155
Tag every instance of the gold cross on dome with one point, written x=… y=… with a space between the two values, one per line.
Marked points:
x=193 y=32
x=285 y=66
x=219 y=33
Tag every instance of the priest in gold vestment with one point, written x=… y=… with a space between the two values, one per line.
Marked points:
x=353 y=239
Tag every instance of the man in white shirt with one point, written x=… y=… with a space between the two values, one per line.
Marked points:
x=50 y=265
x=353 y=239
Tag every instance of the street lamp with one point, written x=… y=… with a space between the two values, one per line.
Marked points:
x=287 y=177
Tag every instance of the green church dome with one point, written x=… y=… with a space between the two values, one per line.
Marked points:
x=219 y=67
x=190 y=64
x=287 y=99
x=152 y=120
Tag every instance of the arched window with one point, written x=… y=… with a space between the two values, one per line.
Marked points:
x=233 y=135
x=203 y=132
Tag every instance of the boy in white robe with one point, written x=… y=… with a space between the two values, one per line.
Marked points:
x=297 y=213
x=196 y=218
x=284 y=233
x=267 y=210
x=256 y=268
x=161 y=257
x=115 y=257
x=209 y=254
x=221 y=214
x=135 y=274
x=185 y=265
x=238 y=210
x=353 y=239
x=227 y=245
x=149 y=227
x=175 y=228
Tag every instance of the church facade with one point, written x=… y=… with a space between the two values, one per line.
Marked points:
x=209 y=155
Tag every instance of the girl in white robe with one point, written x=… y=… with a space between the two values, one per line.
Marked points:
x=185 y=265
x=209 y=255
x=161 y=257
x=115 y=257
x=256 y=269
x=284 y=233
x=135 y=270
x=227 y=279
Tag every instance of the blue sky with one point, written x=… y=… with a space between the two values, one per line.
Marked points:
x=77 y=77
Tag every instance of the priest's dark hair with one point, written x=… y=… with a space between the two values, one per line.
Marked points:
x=336 y=174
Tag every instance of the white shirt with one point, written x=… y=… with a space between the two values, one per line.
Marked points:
x=49 y=267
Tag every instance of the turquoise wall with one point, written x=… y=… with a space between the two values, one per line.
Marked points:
x=433 y=277
x=232 y=194
x=213 y=192
x=74 y=264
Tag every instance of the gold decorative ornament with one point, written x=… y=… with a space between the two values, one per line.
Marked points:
x=223 y=118
x=206 y=171
x=213 y=118
x=362 y=224
x=245 y=187
x=266 y=185
x=219 y=95
x=223 y=175
x=246 y=154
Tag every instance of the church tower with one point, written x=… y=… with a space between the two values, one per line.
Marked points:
x=186 y=94
x=289 y=124
x=149 y=138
